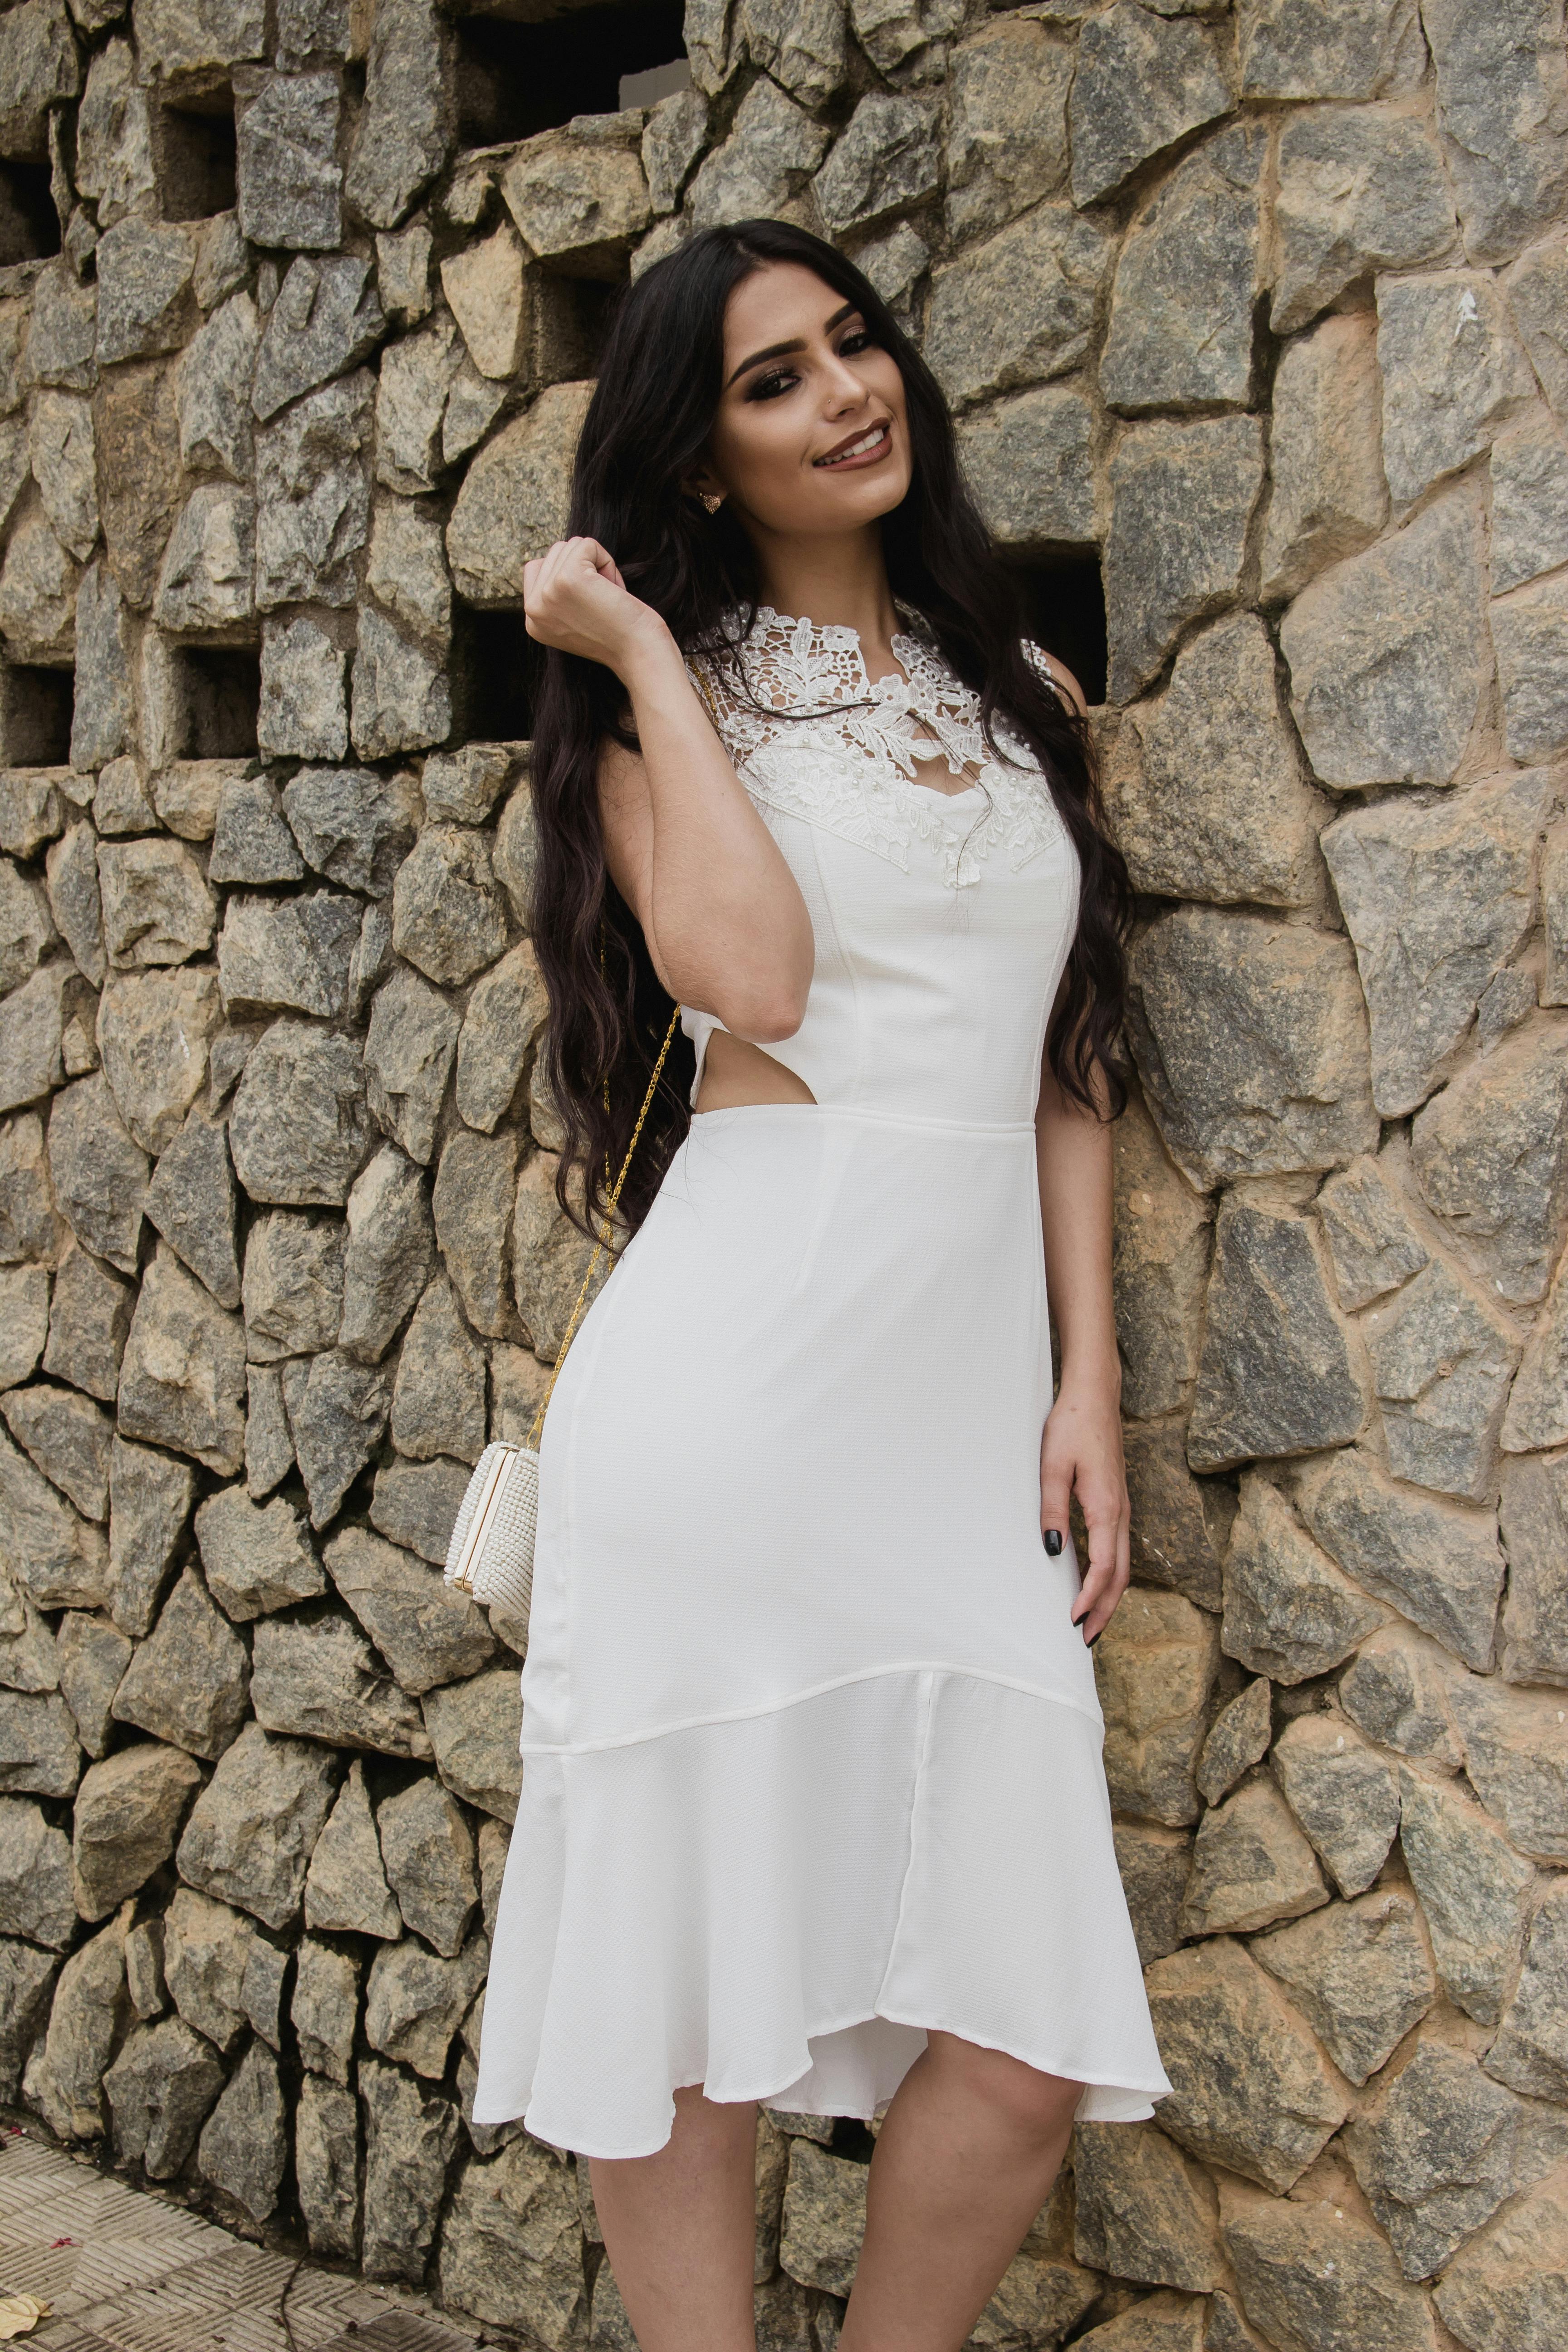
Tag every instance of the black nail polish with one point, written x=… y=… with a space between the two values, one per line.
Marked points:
x=1093 y=1639
x=1053 y=1540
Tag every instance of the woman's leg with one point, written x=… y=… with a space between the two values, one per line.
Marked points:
x=964 y=2160
x=680 y=2228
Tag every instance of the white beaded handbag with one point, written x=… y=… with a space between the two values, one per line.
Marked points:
x=490 y=1556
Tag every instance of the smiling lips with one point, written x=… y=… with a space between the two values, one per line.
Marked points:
x=865 y=447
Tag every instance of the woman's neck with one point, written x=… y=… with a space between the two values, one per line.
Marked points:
x=836 y=583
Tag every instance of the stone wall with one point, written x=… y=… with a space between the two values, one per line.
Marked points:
x=1264 y=310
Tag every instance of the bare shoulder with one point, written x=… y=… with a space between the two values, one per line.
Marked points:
x=1056 y=673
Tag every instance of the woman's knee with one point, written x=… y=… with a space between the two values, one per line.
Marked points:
x=1031 y=2102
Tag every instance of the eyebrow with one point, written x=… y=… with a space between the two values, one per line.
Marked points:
x=778 y=351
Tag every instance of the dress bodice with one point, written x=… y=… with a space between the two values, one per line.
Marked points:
x=942 y=921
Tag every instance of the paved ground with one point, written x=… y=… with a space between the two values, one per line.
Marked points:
x=126 y=2271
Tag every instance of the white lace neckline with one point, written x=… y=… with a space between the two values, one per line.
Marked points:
x=813 y=735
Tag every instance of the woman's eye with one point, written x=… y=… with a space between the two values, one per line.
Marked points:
x=768 y=388
x=858 y=340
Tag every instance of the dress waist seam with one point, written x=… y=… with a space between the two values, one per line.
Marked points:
x=919 y=1121
x=798 y=1698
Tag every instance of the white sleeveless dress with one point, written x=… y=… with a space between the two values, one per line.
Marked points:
x=812 y=1748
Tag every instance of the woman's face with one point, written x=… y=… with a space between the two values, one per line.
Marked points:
x=811 y=435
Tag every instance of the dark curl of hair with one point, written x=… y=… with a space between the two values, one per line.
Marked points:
x=646 y=432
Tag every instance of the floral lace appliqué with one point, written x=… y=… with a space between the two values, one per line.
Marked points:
x=814 y=736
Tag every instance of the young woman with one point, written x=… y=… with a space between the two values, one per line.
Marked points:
x=813 y=1806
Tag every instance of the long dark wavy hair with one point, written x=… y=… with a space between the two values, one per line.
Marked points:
x=646 y=432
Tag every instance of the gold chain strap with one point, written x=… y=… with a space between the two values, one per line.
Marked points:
x=604 y=1242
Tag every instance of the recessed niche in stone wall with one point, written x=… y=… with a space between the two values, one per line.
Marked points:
x=220 y=694
x=29 y=225
x=35 y=716
x=514 y=80
x=1065 y=601
x=197 y=153
x=495 y=671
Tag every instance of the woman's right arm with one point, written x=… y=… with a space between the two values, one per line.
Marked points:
x=725 y=921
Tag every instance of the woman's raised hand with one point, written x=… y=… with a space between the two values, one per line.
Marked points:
x=574 y=598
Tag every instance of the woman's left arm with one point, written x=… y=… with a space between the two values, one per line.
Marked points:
x=1081 y=1448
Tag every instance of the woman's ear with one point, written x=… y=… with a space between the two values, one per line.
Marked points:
x=705 y=485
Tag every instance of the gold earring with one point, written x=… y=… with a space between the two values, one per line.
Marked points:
x=711 y=499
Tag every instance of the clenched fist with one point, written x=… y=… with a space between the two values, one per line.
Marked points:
x=575 y=599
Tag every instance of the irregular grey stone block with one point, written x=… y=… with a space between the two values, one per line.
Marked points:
x=29 y=1230
x=1268 y=2121
x=415 y=2002
x=337 y=1412
x=28 y=1658
x=1438 y=2156
x=326 y=2168
x=1144 y=2210
x=1360 y=190
x=149 y=1497
x=388 y=1255
x=512 y=2247
x=1251 y=1865
x=407 y=571
x=126 y=1819
x=60 y=1560
x=675 y=136
x=304 y=700
x=1326 y=2257
x=299 y=1130
x=412 y=1037
x=75 y=902
x=1434 y=1560
x=1535 y=1614
x=206 y=579
x=550 y=1259
x=1205 y=785
x=885 y=160
x=325 y=2009
x=144 y=301
x=1018 y=309
x=474 y=1729
x=1387 y=655
x=40 y=1753
x=1282 y=1372
x=191 y=1200
x=410 y=2134
x=152 y=1032
x=1028 y=462
x=1452 y=373
x=1535 y=287
x=1532 y=640
x=1530 y=2051
x=30 y=1063
x=1345 y=1796
x=428 y=1849
x=312 y=497
x=1530 y=505
x=1155 y=1677
x=322 y=1680
x=157 y=907
x=1400 y=1693
x=288 y=953
x=1142 y=82
x=189 y=1679
x=1006 y=141
x=144 y=1969
x=326 y=318
x=438 y=1396
x=1487 y=1154
x=36 y=1898
x=1239 y=1737
x=352 y=826
x=160 y=2090
x=427 y=1633
x=406 y=125
x=1182 y=503
x=1442 y=1358
x=512 y=504
x=68 y=1437
x=88 y=2014
x=38 y=585
x=1495 y=75
x=182 y=1382
x=293 y=1285
x=212 y=389
x=401 y=697
x=1516 y=1756
x=449 y=918
x=27 y=1980
x=257 y=1558
x=250 y=1834
x=1327 y=49
x=413 y=383
x=289 y=180
x=60 y=450
x=346 y=1888
x=269 y=1440
x=1181 y=303
x=1250 y=1040
x=581 y=202
x=91 y=1655
x=472 y=1200
x=244 y=2143
x=1473 y=1888
x=29 y=930
x=251 y=843
x=416 y=1505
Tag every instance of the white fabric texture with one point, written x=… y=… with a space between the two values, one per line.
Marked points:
x=811 y=1746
